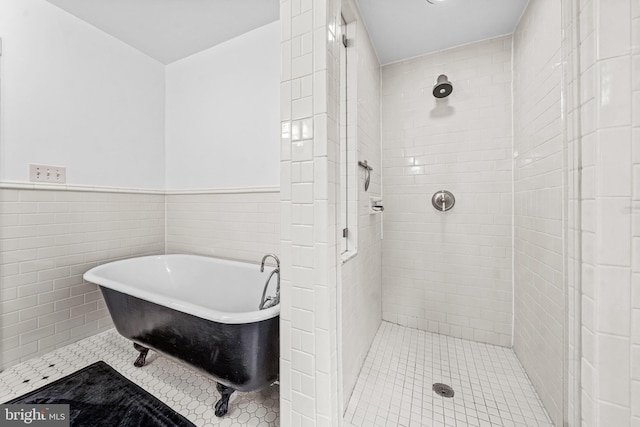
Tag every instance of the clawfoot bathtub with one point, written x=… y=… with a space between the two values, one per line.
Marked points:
x=201 y=311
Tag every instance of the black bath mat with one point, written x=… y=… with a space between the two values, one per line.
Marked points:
x=99 y=396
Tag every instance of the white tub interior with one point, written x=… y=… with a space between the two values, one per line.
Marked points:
x=216 y=289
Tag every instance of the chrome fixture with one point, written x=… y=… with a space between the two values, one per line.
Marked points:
x=375 y=205
x=443 y=200
x=368 y=170
x=266 y=302
x=264 y=258
x=443 y=390
x=443 y=87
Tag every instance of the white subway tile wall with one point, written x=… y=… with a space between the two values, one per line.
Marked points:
x=361 y=287
x=309 y=247
x=48 y=239
x=449 y=272
x=609 y=67
x=635 y=210
x=571 y=116
x=539 y=301
x=243 y=226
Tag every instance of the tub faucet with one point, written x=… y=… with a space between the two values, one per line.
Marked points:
x=264 y=258
x=266 y=302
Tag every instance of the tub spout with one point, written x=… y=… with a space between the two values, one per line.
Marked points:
x=264 y=258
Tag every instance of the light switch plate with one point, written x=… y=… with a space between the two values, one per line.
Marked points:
x=47 y=173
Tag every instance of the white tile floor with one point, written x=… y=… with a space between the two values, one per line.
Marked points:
x=186 y=391
x=395 y=385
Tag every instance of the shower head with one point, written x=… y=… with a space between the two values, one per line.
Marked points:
x=443 y=87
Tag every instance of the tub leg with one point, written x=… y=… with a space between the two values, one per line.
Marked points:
x=140 y=361
x=222 y=406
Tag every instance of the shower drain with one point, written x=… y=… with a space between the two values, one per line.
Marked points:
x=443 y=390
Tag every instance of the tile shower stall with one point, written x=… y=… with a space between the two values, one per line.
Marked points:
x=524 y=298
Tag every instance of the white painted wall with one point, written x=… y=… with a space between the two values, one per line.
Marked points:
x=74 y=96
x=223 y=110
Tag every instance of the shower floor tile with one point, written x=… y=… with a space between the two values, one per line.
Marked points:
x=395 y=385
x=185 y=390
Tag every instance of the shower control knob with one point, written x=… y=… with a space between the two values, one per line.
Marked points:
x=443 y=200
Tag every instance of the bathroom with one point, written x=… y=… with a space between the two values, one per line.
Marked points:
x=536 y=263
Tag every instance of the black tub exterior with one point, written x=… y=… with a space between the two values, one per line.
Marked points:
x=243 y=356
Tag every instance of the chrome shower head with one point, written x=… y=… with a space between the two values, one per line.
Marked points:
x=443 y=87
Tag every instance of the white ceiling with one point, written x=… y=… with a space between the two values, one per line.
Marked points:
x=168 y=30
x=402 y=29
